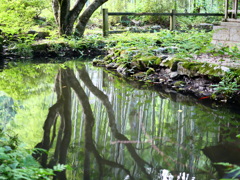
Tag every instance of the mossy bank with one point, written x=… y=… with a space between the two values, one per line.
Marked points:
x=201 y=79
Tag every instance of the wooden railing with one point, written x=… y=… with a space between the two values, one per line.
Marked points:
x=172 y=16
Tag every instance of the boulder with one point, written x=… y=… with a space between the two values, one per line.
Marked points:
x=39 y=35
x=173 y=75
x=171 y=63
x=193 y=69
x=155 y=28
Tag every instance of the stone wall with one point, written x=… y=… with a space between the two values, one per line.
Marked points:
x=228 y=33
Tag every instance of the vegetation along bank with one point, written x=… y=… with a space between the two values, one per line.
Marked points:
x=183 y=62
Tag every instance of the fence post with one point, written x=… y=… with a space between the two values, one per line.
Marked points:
x=226 y=10
x=173 y=20
x=105 y=23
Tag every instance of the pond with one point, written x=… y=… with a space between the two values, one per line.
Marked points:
x=105 y=127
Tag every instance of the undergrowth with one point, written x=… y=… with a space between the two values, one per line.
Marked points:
x=187 y=43
x=16 y=162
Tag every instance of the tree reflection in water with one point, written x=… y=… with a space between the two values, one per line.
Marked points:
x=163 y=135
x=66 y=80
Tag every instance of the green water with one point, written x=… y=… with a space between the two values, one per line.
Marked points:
x=147 y=131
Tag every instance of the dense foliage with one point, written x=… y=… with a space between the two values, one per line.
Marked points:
x=156 y=6
x=27 y=82
x=192 y=6
x=21 y=15
x=18 y=163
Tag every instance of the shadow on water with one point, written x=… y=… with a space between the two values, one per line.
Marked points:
x=106 y=131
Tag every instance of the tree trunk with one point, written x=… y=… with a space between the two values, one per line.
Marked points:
x=55 y=7
x=66 y=17
x=85 y=16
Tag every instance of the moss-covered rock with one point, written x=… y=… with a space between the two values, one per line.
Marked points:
x=179 y=83
x=98 y=62
x=40 y=49
x=138 y=65
x=117 y=53
x=139 y=75
x=171 y=63
x=109 y=58
x=123 y=69
x=150 y=60
x=143 y=63
x=193 y=69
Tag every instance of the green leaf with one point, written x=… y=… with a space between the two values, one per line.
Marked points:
x=7 y=148
x=59 y=167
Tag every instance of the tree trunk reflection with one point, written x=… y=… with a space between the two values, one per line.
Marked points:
x=111 y=116
x=66 y=80
x=121 y=127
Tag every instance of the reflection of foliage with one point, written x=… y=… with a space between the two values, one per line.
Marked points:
x=32 y=85
x=7 y=111
x=178 y=131
x=30 y=116
x=26 y=80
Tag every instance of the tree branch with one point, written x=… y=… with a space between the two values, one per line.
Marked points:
x=85 y=16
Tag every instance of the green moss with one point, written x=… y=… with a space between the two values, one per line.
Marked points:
x=211 y=69
x=108 y=57
x=139 y=75
x=133 y=48
x=121 y=60
x=179 y=83
x=150 y=71
x=192 y=66
x=98 y=62
x=172 y=63
x=147 y=61
x=122 y=66
x=204 y=68
x=117 y=53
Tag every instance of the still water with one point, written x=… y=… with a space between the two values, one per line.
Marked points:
x=104 y=127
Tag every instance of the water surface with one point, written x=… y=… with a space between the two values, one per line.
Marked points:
x=117 y=130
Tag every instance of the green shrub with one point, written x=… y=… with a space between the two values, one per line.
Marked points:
x=18 y=15
x=17 y=163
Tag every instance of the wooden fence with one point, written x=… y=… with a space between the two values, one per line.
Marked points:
x=172 y=16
